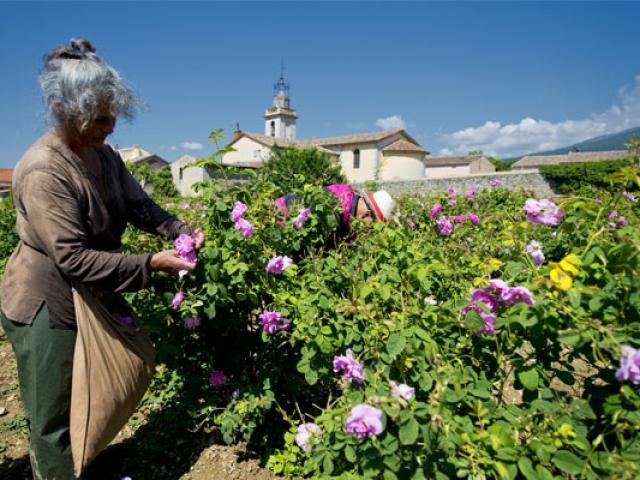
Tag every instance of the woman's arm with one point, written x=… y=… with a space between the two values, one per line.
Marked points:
x=52 y=210
x=143 y=212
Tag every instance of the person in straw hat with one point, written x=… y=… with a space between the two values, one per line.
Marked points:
x=378 y=206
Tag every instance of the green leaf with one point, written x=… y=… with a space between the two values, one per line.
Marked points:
x=389 y=475
x=327 y=464
x=396 y=344
x=408 y=433
x=568 y=462
x=350 y=454
x=569 y=337
x=311 y=377
x=529 y=379
x=526 y=468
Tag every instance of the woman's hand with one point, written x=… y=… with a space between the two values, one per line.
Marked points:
x=169 y=261
x=198 y=237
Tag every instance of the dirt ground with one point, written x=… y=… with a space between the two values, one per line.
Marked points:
x=145 y=451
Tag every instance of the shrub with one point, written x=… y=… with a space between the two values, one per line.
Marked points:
x=574 y=177
x=292 y=168
x=534 y=396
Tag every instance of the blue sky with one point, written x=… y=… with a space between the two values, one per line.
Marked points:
x=507 y=78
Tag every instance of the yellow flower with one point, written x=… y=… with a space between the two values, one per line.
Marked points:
x=560 y=278
x=562 y=273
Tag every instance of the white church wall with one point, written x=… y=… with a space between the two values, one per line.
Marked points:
x=402 y=166
x=247 y=151
x=368 y=162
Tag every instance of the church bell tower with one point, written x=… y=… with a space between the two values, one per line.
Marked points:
x=280 y=119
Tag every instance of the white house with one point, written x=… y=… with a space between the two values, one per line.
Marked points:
x=184 y=177
x=385 y=155
x=137 y=155
x=441 y=167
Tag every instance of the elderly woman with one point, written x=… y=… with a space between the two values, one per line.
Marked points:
x=74 y=197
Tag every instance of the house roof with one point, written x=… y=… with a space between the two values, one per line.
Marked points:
x=532 y=161
x=353 y=138
x=403 y=145
x=6 y=175
x=266 y=140
x=451 y=161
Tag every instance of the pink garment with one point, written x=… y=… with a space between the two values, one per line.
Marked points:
x=282 y=206
x=345 y=195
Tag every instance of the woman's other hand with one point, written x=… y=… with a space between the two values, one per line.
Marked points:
x=198 y=237
x=169 y=261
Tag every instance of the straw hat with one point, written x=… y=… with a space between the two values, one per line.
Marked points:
x=383 y=204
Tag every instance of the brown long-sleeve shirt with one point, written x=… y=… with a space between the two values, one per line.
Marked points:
x=69 y=224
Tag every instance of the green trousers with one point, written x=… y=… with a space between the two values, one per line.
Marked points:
x=45 y=360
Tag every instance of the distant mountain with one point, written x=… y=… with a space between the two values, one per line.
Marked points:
x=613 y=141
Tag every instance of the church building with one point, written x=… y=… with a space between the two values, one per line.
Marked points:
x=381 y=155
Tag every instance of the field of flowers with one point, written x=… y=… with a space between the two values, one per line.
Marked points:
x=489 y=334
x=484 y=335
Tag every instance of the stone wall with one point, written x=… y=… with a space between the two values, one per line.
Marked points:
x=530 y=180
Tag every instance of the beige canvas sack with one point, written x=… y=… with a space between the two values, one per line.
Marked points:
x=112 y=367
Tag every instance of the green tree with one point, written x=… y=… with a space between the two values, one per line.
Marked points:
x=290 y=169
x=159 y=181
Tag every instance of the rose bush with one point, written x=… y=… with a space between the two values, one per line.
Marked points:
x=428 y=348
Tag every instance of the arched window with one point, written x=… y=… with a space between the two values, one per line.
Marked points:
x=273 y=128
x=356 y=158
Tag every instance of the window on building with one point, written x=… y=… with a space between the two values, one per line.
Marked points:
x=256 y=154
x=273 y=129
x=356 y=158
x=181 y=173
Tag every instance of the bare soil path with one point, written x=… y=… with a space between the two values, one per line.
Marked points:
x=147 y=450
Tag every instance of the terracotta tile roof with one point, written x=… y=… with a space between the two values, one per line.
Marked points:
x=6 y=174
x=532 y=161
x=451 y=161
x=354 y=138
x=267 y=140
x=403 y=145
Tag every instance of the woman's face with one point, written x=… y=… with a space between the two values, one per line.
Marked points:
x=363 y=212
x=95 y=134
x=99 y=130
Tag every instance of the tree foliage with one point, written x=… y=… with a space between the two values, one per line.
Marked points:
x=290 y=169
x=578 y=177
x=158 y=181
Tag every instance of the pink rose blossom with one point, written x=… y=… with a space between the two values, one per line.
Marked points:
x=279 y=264
x=273 y=321
x=445 y=226
x=543 y=212
x=435 y=210
x=304 y=433
x=217 y=378
x=191 y=322
x=352 y=369
x=303 y=214
x=364 y=420
x=402 y=390
x=238 y=210
x=629 y=369
x=184 y=245
x=177 y=300
x=245 y=228
x=534 y=249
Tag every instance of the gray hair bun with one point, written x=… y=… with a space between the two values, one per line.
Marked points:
x=77 y=49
